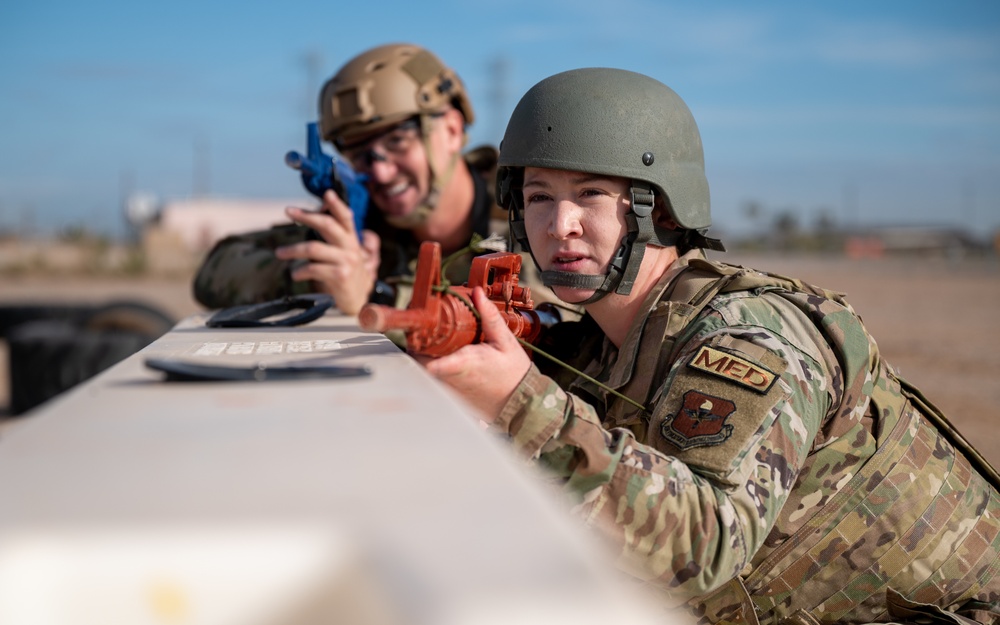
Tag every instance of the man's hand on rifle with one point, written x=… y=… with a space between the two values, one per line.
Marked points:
x=339 y=264
x=484 y=373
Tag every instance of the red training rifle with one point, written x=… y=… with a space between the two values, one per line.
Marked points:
x=440 y=320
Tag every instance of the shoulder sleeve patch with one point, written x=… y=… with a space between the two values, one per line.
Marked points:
x=700 y=421
x=719 y=407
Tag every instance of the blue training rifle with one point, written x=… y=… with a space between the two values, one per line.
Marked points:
x=320 y=172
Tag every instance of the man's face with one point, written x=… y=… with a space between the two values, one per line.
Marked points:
x=396 y=162
x=575 y=222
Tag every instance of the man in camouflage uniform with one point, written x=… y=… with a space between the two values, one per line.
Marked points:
x=399 y=116
x=736 y=437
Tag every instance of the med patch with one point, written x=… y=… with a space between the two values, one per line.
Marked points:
x=730 y=366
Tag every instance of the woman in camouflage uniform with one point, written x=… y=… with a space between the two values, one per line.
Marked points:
x=746 y=450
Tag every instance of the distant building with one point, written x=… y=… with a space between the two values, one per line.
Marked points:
x=199 y=223
x=185 y=230
x=876 y=242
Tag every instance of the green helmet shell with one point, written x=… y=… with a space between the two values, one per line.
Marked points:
x=613 y=122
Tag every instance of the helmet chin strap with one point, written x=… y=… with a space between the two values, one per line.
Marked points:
x=414 y=219
x=624 y=266
x=437 y=182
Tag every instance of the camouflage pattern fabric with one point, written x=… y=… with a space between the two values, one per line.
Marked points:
x=242 y=269
x=779 y=472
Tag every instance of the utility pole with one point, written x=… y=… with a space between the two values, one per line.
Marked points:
x=499 y=72
x=201 y=184
x=312 y=61
x=969 y=202
x=851 y=216
x=126 y=188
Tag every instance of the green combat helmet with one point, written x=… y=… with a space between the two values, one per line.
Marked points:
x=618 y=123
x=385 y=86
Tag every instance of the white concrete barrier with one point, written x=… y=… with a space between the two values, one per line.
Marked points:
x=375 y=499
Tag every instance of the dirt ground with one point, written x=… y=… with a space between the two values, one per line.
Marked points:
x=935 y=320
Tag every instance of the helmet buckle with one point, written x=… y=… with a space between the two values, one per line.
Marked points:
x=642 y=199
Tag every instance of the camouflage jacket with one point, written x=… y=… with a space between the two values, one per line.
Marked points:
x=777 y=470
x=242 y=269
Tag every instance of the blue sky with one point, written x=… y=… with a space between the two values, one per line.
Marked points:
x=874 y=112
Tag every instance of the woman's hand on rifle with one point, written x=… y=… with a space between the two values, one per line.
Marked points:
x=484 y=373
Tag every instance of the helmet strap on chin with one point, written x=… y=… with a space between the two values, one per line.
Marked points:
x=640 y=232
x=624 y=266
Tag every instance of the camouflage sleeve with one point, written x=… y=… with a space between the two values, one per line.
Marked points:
x=242 y=269
x=689 y=506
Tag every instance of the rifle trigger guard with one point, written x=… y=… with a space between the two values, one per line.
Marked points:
x=313 y=305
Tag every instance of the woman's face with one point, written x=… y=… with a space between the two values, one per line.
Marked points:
x=575 y=222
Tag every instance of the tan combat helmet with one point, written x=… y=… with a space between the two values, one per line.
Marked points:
x=384 y=86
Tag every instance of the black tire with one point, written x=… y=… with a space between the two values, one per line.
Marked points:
x=126 y=316
x=49 y=357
